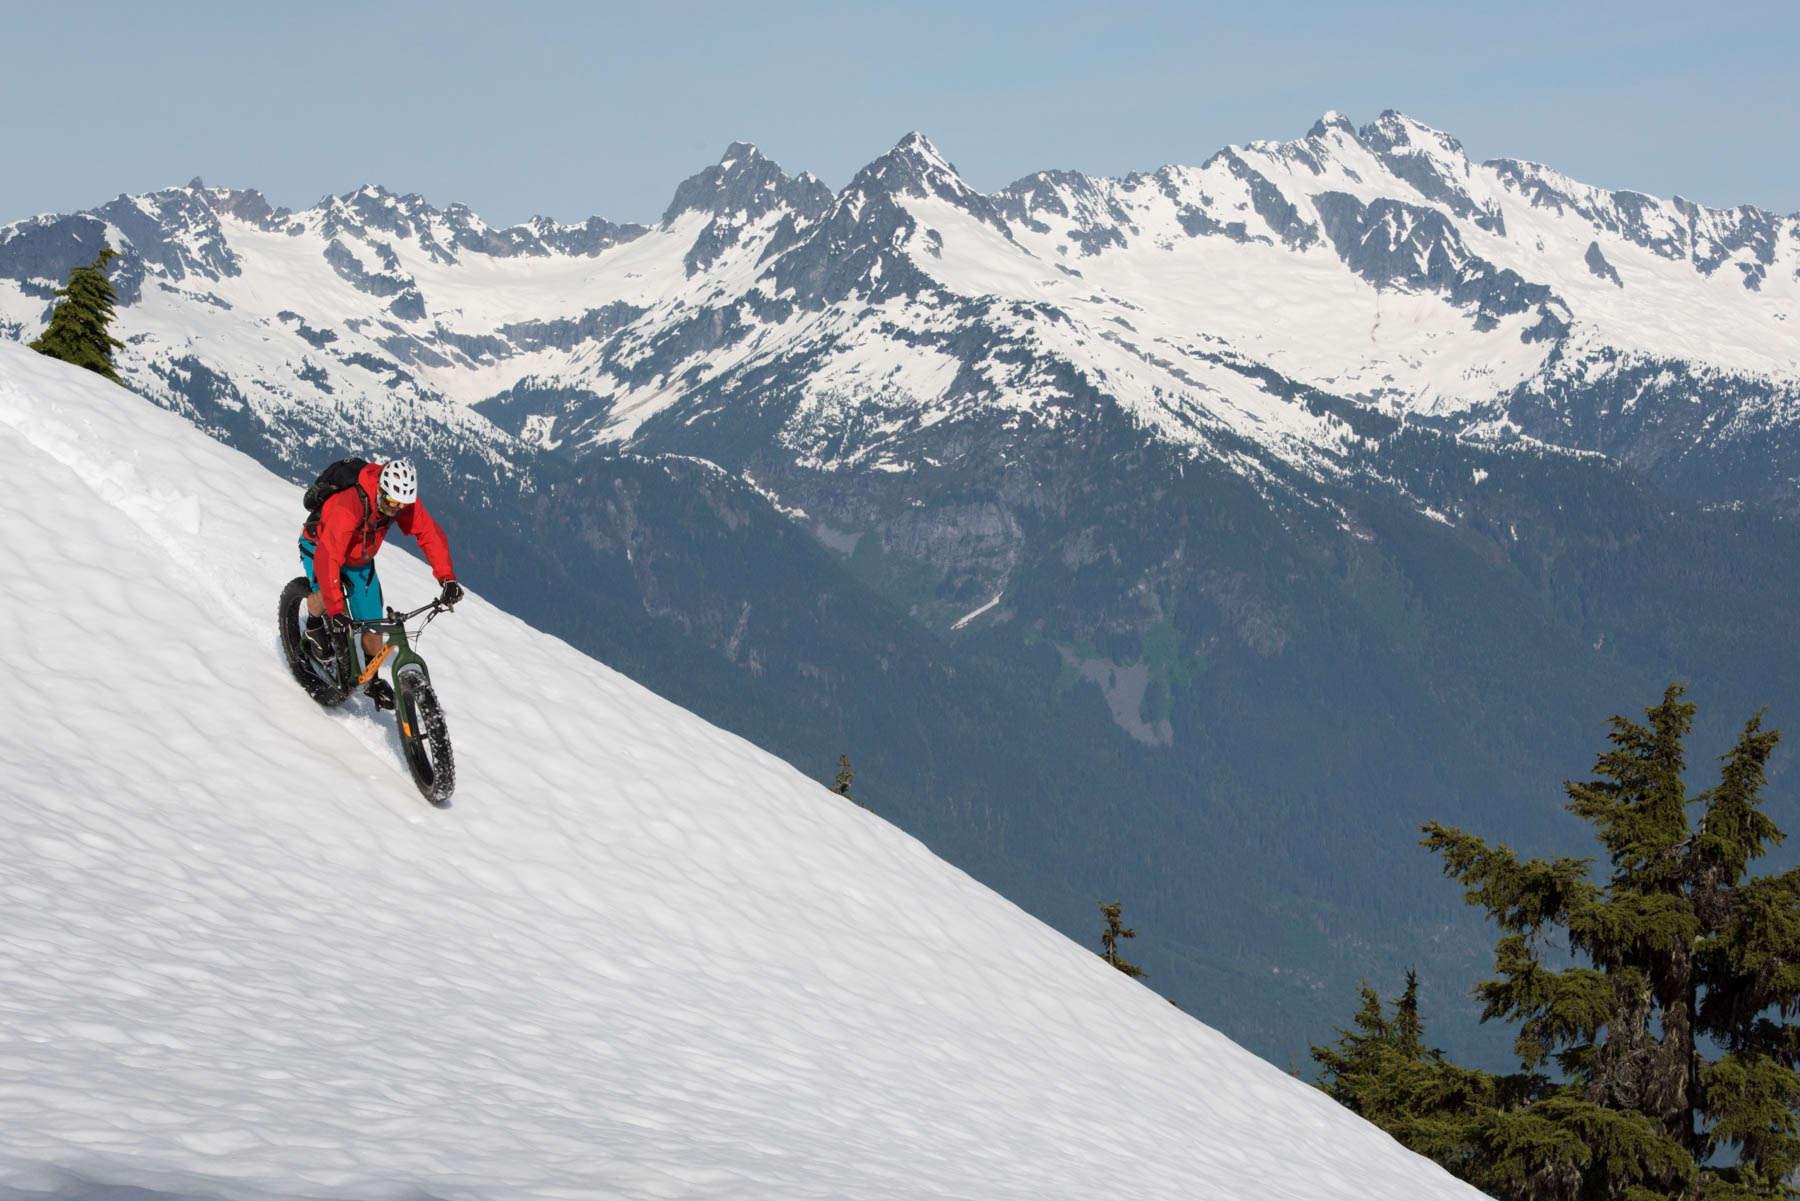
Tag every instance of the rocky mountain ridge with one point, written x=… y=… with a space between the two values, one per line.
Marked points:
x=1377 y=265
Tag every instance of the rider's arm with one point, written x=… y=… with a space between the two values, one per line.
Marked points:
x=414 y=520
x=337 y=523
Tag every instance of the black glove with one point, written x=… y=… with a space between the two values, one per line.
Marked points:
x=452 y=593
x=339 y=624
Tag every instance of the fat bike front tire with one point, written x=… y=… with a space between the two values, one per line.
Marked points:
x=424 y=736
x=324 y=685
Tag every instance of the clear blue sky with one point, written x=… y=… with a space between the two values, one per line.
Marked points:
x=572 y=110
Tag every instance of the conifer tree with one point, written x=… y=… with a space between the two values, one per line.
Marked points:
x=1679 y=1079
x=78 y=324
x=841 y=785
x=1109 y=939
x=1409 y=1025
x=1382 y=1070
x=1360 y=1058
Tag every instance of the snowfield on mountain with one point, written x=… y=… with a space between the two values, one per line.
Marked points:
x=637 y=957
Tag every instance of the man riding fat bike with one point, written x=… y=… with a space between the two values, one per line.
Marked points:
x=337 y=549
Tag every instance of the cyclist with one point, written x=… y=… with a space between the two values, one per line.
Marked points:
x=338 y=552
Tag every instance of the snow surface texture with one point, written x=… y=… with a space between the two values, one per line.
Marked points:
x=637 y=957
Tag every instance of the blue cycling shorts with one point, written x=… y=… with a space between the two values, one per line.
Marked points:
x=362 y=587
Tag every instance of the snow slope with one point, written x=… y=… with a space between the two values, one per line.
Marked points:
x=637 y=957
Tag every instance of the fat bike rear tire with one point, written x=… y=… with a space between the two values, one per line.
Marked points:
x=424 y=737
x=321 y=683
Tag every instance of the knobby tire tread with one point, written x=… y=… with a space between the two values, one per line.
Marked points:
x=288 y=619
x=428 y=755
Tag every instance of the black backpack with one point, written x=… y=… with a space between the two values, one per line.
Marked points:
x=339 y=477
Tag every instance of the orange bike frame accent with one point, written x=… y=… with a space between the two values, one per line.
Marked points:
x=368 y=673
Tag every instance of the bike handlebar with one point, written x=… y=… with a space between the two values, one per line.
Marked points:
x=395 y=617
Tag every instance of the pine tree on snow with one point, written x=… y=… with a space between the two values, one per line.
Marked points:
x=1109 y=939
x=841 y=785
x=78 y=325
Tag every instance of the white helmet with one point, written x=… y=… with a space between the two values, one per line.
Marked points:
x=400 y=482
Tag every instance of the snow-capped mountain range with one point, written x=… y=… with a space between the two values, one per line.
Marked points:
x=1378 y=265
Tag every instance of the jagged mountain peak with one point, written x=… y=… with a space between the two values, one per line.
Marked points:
x=367 y=198
x=915 y=166
x=1428 y=160
x=1392 y=134
x=917 y=143
x=375 y=214
x=368 y=193
x=246 y=203
x=747 y=183
x=1394 y=129
x=375 y=200
x=372 y=207
x=741 y=152
x=1330 y=120
x=1085 y=208
x=186 y=204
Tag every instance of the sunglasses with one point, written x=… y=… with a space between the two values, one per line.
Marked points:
x=389 y=505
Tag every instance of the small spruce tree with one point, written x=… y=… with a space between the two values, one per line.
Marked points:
x=841 y=785
x=1109 y=939
x=78 y=324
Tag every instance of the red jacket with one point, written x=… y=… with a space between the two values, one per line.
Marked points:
x=347 y=539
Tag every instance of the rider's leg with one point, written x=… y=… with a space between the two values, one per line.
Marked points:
x=315 y=625
x=315 y=604
x=315 y=611
x=362 y=597
x=363 y=601
x=315 y=631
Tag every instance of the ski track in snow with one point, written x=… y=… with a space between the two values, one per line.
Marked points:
x=241 y=959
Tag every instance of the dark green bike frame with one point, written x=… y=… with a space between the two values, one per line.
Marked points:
x=416 y=711
x=393 y=629
x=418 y=715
